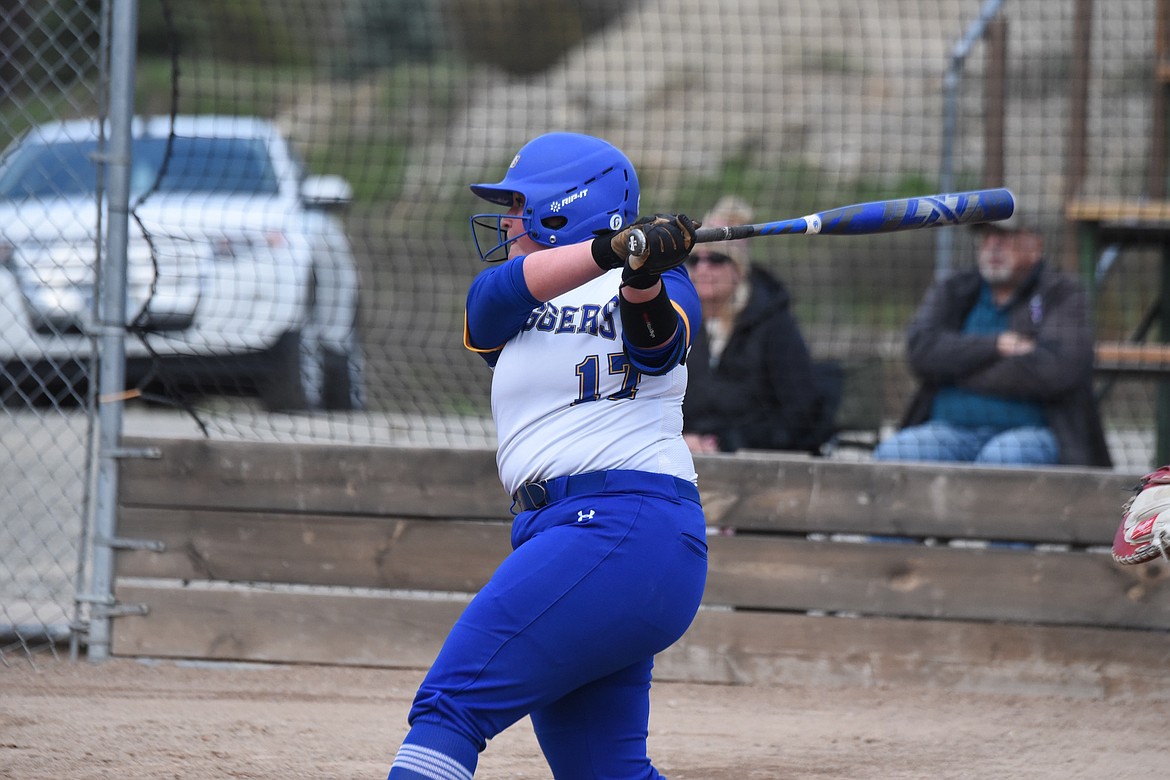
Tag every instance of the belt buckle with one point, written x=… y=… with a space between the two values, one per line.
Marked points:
x=528 y=497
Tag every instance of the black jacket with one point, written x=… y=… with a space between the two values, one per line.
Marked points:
x=762 y=394
x=1050 y=308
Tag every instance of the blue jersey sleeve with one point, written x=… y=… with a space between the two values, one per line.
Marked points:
x=685 y=300
x=498 y=305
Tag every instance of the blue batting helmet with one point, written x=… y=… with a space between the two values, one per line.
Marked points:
x=573 y=186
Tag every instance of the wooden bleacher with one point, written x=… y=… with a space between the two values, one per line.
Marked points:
x=1131 y=223
x=1133 y=358
x=1127 y=222
x=1122 y=214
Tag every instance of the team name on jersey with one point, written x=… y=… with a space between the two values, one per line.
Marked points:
x=589 y=318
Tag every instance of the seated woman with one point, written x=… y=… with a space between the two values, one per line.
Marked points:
x=751 y=381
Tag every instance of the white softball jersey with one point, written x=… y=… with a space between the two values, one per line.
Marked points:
x=584 y=408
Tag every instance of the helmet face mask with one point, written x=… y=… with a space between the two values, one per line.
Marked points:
x=490 y=237
x=573 y=186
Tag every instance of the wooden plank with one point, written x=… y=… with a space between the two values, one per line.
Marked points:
x=977 y=502
x=1128 y=356
x=315 y=478
x=764 y=572
x=911 y=580
x=795 y=494
x=773 y=491
x=721 y=646
x=756 y=491
x=752 y=648
x=1153 y=214
x=363 y=552
x=252 y=624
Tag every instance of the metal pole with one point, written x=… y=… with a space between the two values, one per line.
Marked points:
x=111 y=322
x=78 y=624
x=944 y=238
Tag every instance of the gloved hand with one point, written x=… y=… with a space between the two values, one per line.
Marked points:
x=668 y=239
x=1144 y=533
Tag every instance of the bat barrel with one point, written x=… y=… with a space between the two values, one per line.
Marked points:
x=883 y=216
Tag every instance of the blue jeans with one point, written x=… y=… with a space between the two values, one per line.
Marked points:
x=938 y=441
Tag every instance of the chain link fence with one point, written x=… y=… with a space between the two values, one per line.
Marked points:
x=50 y=65
x=299 y=246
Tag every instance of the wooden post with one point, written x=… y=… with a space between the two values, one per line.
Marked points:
x=1156 y=189
x=1156 y=172
x=1162 y=433
x=1075 y=150
x=994 y=103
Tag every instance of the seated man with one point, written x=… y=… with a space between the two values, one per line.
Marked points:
x=1004 y=356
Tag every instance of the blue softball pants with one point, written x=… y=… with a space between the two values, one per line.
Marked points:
x=565 y=632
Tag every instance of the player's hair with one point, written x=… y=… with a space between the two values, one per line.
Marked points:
x=732 y=210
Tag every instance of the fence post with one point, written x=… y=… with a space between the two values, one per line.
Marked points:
x=944 y=239
x=112 y=321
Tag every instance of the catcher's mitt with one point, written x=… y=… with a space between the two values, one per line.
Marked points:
x=1144 y=533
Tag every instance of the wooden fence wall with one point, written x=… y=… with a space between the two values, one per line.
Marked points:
x=979 y=578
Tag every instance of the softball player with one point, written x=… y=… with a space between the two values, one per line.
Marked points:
x=609 y=553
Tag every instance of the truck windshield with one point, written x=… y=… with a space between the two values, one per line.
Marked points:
x=236 y=166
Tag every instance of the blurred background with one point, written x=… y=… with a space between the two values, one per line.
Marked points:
x=326 y=303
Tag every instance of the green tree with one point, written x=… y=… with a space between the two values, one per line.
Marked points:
x=385 y=33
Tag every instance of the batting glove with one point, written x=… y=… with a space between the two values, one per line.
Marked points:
x=665 y=241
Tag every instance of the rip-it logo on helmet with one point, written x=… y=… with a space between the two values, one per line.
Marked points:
x=555 y=207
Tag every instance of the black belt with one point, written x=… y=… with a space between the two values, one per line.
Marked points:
x=534 y=495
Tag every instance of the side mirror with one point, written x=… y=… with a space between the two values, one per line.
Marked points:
x=326 y=192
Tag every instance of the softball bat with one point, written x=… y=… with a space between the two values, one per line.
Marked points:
x=880 y=216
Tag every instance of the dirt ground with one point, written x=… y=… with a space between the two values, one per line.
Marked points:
x=130 y=719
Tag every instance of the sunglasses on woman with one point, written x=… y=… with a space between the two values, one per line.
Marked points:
x=714 y=258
